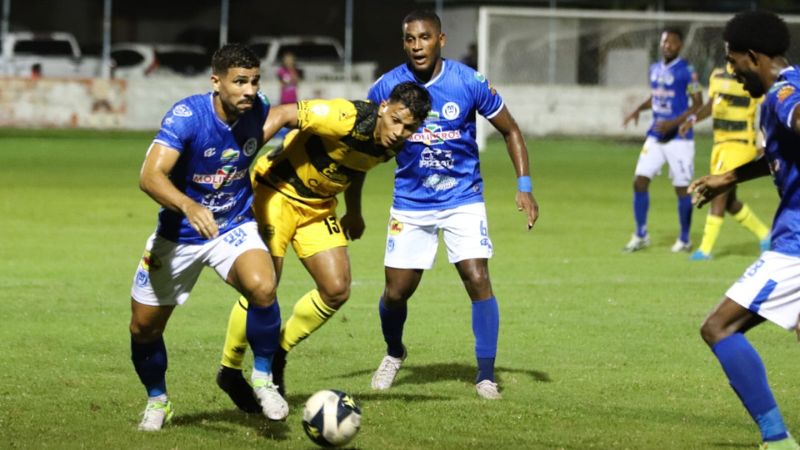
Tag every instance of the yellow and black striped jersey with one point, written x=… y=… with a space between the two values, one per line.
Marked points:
x=334 y=142
x=733 y=110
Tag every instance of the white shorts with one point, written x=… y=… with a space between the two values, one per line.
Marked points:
x=168 y=270
x=770 y=287
x=678 y=153
x=413 y=236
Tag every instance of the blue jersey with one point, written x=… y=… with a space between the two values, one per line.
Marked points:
x=438 y=167
x=781 y=150
x=671 y=87
x=213 y=165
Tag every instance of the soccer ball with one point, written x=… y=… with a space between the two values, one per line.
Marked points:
x=331 y=418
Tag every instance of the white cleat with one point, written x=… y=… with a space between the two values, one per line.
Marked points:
x=680 y=246
x=157 y=414
x=273 y=405
x=383 y=378
x=488 y=390
x=637 y=243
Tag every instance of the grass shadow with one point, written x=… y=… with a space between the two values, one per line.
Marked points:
x=427 y=373
x=215 y=420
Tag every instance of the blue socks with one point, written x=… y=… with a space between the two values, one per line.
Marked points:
x=263 y=334
x=748 y=378
x=392 y=322
x=485 y=327
x=150 y=362
x=641 y=204
x=685 y=216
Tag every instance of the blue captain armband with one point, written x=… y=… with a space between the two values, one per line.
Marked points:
x=524 y=184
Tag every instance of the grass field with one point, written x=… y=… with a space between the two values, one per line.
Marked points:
x=598 y=349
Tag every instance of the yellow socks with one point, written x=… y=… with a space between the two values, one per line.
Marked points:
x=710 y=233
x=309 y=313
x=236 y=336
x=748 y=219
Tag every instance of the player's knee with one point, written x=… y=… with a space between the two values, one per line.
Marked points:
x=335 y=294
x=144 y=332
x=395 y=296
x=712 y=331
x=640 y=183
x=262 y=295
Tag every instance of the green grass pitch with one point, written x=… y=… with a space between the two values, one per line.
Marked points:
x=598 y=349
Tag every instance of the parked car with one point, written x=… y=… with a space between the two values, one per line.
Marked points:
x=320 y=57
x=143 y=59
x=49 y=54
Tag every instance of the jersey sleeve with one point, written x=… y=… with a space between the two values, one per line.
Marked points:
x=328 y=118
x=693 y=84
x=487 y=101
x=786 y=99
x=176 y=128
x=712 y=86
x=264 y=112
x=377 y=93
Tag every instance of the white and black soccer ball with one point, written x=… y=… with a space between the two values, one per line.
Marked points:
x=331 y=418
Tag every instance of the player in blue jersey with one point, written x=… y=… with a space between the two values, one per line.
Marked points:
x=197 y=170
x=438 y=186
x=673 y=82
x=756 y=42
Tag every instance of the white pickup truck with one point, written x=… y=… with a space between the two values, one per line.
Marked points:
x=321 y=58
x=57 y=54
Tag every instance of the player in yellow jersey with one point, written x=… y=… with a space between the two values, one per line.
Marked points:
x=733 y=112
x=295 y=188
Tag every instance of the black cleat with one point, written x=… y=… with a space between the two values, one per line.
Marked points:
x=278 y=366
x=238 y=389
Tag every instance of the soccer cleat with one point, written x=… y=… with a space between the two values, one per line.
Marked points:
x=488 y=390
x=637 y=243
x=383 y=378
x=680 y=246
x=273 y=405
x=699 y=256
x=157 y=414
x=278 y=367
x=787 y=443
x=233 y=383
x=764 y=244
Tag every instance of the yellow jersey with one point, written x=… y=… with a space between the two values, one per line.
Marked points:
x=333 y=142
x=733 y=110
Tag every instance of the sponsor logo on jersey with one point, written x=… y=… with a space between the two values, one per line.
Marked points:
x=450 y=110
x=229 y=155
x=250 y=146
x=209 y=152
x=320 y=109
x=218 y=202
x=395 y=227
x=225 y=176
x=492 y=89
x=432 y=116
x=181 y=110
x=150 y=262
x=662 y=77
x=390 y=245
x=785 y=92
x=433 y=134
x=436 y=158
x=480 y=77
x=169 y=121
x=332 y=173
x=439 y=182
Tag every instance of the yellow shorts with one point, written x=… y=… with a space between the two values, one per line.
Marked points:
x=310 y=229
x=729 y=155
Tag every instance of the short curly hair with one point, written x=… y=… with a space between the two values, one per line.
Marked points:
x=759 y=31
x=233 y=55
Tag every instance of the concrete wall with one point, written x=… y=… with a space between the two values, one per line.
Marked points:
x=140 y=104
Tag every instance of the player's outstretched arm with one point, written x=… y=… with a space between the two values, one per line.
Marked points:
x=504 y=123
x=709 y=186
x=352 y=221
x=154 y=180
x=692 y=119
x=634 y=115
x=279 y=117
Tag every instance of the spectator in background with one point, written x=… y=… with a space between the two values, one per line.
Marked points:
x=36 y=71
x=471 y=57
x=289 y=76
